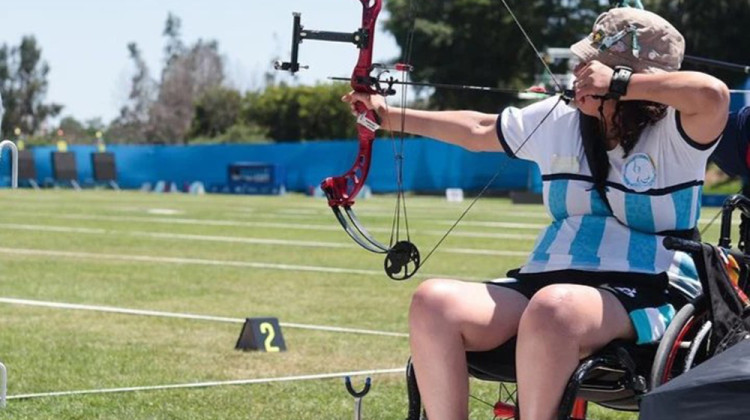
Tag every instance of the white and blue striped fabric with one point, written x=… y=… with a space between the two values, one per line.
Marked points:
x=656 y=188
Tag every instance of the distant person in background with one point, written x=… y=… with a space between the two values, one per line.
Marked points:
x=732 y=154
x=2 y=113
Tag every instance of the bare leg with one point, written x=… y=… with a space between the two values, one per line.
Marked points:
x=446 y=319
x=562 y=324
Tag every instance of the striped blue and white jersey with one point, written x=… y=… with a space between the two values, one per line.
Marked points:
x=653 y=190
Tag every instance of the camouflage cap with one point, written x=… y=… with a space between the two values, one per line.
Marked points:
x=639 y=39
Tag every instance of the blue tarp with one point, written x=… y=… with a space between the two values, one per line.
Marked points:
x=428 y=165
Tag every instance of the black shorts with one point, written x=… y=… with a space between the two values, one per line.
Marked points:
x=647 y=298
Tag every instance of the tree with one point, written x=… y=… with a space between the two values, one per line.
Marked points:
x=174 y=48
x=216 y=110
x=477 y=42
x=244 y=133
x=23 y=87
x=162 y=112
x=293 y=113
x=132 y=125
x=188 y=74
x=712 y=30
x=74 y=131
x=93 y=126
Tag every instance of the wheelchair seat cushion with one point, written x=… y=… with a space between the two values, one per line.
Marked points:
x=499 y=364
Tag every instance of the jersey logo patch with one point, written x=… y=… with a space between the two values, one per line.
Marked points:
x=565 y=164
x=639 y=172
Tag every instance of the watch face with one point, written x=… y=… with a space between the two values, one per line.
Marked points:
x=620 y=79
x=623 y=72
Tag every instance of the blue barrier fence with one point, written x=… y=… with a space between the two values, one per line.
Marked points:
x=428 y=165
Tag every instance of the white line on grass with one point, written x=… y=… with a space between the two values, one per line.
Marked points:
x=164 y=235
x=273 y=225
x=505 y=225
x=300 y=226
x=161 y=314
x=319 y=227
x=209 y=384
x=201 y=261
x=234 y=239
x=306 y=213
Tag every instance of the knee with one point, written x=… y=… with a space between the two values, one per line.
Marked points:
x=553 y=310
x=434 y=300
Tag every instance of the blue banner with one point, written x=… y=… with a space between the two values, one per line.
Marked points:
x=428 y=165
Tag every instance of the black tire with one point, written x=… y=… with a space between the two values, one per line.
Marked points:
x=691 y=316
x=415 y=400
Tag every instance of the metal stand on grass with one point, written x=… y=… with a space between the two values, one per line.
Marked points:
x=358 y=395
x=14 y=157
x=3 y=385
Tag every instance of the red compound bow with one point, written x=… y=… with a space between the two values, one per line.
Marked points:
x=402 y=257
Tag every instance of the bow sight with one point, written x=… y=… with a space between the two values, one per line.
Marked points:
x=402 y=258
x=360 y=38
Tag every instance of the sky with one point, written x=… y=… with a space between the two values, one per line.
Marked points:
x=85 y=42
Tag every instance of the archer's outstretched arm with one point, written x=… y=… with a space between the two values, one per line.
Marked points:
x=471 y=130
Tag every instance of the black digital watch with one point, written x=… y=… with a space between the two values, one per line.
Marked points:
x=618 y=86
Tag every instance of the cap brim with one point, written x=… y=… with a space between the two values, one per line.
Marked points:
x=584 y=51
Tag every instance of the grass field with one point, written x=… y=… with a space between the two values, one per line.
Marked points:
x=231 y=257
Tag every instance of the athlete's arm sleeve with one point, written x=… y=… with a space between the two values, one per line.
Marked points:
x=521 y=131
x=683 y=148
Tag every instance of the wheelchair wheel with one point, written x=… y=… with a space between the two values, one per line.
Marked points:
x=505 y=407
x=684 y=345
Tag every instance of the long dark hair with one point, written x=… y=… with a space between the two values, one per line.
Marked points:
x=630 y=119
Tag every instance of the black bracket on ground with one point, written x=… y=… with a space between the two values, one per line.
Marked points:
x=358 y=395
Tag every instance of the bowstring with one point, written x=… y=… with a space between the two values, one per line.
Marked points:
x=404 y=75
x=533 y=46
x=515 y=153
x=398 y=152
x=710 y=223
x=489 y=184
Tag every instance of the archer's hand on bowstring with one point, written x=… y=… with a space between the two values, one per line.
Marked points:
x=592 y=80
x=701 y=99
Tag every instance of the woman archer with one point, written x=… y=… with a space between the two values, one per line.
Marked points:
x=620 y=170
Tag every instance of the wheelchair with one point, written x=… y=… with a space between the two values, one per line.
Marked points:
x=618 y=375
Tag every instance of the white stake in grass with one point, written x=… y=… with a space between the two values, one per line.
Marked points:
x=14 y=157
x=3 y=385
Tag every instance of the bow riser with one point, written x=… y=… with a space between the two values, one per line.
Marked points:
x=361 y=79
x=341 y=190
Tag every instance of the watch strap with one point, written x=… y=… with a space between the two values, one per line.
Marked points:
x=618 y=86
